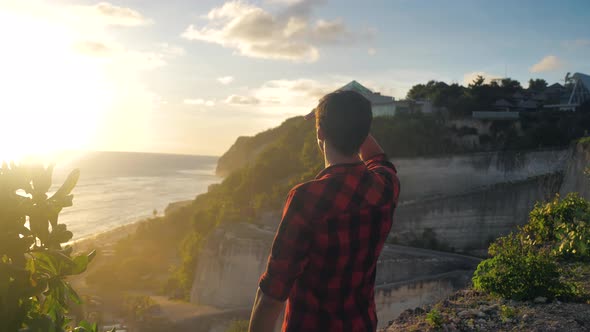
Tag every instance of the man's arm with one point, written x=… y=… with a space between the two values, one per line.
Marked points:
x=370 y=148
x=287 y=261
x=265 y=312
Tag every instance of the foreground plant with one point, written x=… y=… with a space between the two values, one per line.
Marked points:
x=528 y=264
x=34 y=263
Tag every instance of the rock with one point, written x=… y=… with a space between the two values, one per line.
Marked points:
x=463 y=314
x=419 y=311
x=540 y=299
x=471 y=313
x=488 y=309
x=449 y=328
x=525 y=317
x=480 y=314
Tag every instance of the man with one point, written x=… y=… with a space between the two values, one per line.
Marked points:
x=332 y=231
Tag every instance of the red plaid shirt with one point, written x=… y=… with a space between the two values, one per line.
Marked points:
x=325 y=252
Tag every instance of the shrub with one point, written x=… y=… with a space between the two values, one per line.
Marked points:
x=544 y=218
x=563 y=224
x=519 y=271
x=434 y=318
x=34 y=295
x=507 y=312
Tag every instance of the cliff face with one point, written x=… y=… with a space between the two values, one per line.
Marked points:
x=235 y=256
x=576 y=178
x=428 y=178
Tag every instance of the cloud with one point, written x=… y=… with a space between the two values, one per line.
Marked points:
x=468 y=78
x=371 y=51
x=225 y=80
x=576 y=44
x=242 y=100
x=115 y=15
x=203 y=102
x=92 y=48
x=119 y=55
x=548 y=63
x=171 y=50
x=254 y=32
x=287 y=97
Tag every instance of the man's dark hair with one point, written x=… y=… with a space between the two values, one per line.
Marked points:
x=345 y=117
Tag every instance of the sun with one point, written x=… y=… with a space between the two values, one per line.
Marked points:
x=51 y=97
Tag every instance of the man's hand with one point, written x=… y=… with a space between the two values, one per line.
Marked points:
x=370 y=148
x=265 y=312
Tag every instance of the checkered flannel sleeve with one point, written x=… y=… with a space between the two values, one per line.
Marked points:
x=387 y=171
x=288 y=257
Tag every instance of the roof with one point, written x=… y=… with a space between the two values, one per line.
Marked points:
x=374 y=98
x=527 y=104
x=518 y=95
x=555 y=86
x=503 y=103
x=583 y=78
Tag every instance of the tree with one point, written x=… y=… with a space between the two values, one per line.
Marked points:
x=477 y=82
x=510 y=86
x=537 y=85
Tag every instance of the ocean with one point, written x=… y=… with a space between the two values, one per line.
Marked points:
x=118 y=188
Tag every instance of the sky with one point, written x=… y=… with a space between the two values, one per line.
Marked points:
x=190 y=77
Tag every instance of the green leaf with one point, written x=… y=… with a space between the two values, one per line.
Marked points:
x=68 y=185
x=81 y=262
x=59 y=235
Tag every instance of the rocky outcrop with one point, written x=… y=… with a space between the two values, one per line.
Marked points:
x=577 y=176
x=468 y=222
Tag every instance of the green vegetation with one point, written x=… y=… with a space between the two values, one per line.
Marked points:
x=532 y=262
x=143 y=313
x=518 y=271
x=434 y=318
x=562 y=224
x=238 y=326
x=34 y=295
x=507 y=312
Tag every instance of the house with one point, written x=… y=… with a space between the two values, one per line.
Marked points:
x=381 y=105
x=503 y=105
x=527 y=105
x=575 y=96
x=404 y=106
x=424 y=106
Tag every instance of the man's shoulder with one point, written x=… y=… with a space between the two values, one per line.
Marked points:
x=309 y=190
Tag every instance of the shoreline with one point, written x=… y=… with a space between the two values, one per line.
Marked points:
x=107 y=239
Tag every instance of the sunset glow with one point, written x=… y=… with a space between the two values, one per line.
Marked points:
x=190 y=77
x=52 y=97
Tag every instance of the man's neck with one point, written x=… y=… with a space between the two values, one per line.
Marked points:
x=332 y=157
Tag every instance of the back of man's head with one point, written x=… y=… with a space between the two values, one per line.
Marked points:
x=345 y=118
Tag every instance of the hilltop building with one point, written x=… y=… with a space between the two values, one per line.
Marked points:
x=416 y=106
x=381 y=105
x=554 y=97
x=579 y=93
